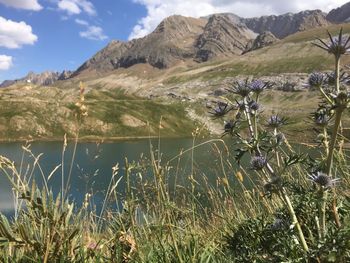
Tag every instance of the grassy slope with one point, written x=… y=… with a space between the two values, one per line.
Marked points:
x=47 y=112
x=49 y=116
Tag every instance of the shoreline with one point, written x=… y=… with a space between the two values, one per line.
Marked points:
x=97 y=139
x=89 y=139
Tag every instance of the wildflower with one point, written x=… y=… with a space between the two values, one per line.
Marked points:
x=317 y=79
x=258 y=86
x=337 y=46
x=241 y=88
x=331 y=78
x=220 y=110
x=229 y=127
x=323 y=180
x=258 y=163
x=276 y=121
x=321 y=117
x=253 y=105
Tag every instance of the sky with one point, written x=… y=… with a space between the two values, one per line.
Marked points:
x=40 y=35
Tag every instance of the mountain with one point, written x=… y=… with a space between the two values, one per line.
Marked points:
x=340 y=14
x=262 y=40
x=287 y=24
x=178 y=38
x=223 y=35
x=171 y=41
x=45 y=78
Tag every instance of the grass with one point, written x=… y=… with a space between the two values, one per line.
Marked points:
x=51 y=119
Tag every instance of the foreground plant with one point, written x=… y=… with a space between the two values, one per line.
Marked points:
x=336 y=100
x=261 y=145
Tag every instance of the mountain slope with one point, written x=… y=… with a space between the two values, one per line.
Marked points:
x=287 y=24
x=171 y=41
x=222 y=36
x=340 y=14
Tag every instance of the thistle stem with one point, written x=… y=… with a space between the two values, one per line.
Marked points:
x=329 y=163
x=337 y=73
x=250 y=126
x=325 y=141
x=322 y=213
x=295 y=221
x=284 y=196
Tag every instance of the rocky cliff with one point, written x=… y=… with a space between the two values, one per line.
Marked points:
x=287 y=24
x=262 y=40
x=223 y=35
x=340 y=14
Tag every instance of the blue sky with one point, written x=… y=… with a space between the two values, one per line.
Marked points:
x=39 y=35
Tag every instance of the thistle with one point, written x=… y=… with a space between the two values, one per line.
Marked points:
x=276 y=121
x=317 y=79
x=337 y=45
x=241 y=88
x=220 y=110
x=258 y=86
x=258 y=163
x=323 y=180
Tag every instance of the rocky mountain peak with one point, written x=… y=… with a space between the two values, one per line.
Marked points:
x=222 y=36
x=340 y=14
x=287 y=24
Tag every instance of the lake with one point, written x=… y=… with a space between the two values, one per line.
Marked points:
x=92 y=167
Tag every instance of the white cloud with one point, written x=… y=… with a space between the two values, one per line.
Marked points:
x=5 y=62
x=157 y=10
x=23 y=4
x=93 y=33
x=81 y=22
x=15 y=34
x=75 y=7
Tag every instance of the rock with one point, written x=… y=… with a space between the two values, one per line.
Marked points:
x=340 y=14
x=287 y=24
x=264 y=39
x=223 y=36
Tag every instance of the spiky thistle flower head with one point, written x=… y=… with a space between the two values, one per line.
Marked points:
x=258 y=86
x=317 y=79
x=220 y=110
x=253 y=106
x=323 y=180
x=331 y=78
x=258 y=163
x=229 y=127
x=337 y=45
x=241 y=88
x=322 y=117
x=276 y=121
